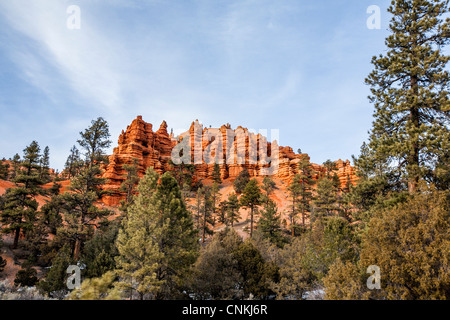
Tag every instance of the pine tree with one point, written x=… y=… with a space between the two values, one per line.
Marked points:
x=294 y=189
x=73 y=163
x=15 y=165
x=241 y=181
x=4 y=170
x=95 y=140
x=216 y=176
x=410 y=92
x=207 y=209
x=80 y=213
x=251 y=198
x=326 y=198
x=269 y=224
x=306 y=182
x=216 y=273
x=215 y=196
x=232 y=209
x=54 y=282
x=330 y=166
x=20 y=205
x=44 y=166
x=157 y=243
x=268 y=186
x=410 y=244
x=138 y=241
x=131 y=180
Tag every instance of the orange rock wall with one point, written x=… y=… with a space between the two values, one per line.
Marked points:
x=154 y=149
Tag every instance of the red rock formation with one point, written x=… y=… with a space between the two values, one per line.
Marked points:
x=151 y=149
x=236 y=149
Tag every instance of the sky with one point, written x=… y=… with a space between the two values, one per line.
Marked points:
x=293 y=65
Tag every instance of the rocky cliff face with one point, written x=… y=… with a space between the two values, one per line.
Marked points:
x=233 y=149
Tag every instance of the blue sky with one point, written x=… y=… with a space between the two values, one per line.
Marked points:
x=294 y=65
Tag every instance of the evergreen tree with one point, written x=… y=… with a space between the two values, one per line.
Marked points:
x=198 y=206
x=410 y=244
x=101 y=288
x=80 y=213
x=216 y=176
x=137 y=242
x=251 y=198
x=16 y=162
x=295 y=189
x=241 y=181
x=207 y=209
x=19 y=204
x=95 y=140
x=44 y=166
x=73 y=163
x=215 y=196
x=216 y=273
x=232 y=209
x=326 y=198
x=269 y=224
x=330 y=166
x=4 y=170
x=410 y=92
x=268 y=186
x=54 y=282
x=306 y=182
x=26 y=277
x=100 y=252
x=131 y=180
x=256 y=273
x=157 y=243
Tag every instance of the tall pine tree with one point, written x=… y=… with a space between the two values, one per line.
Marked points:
x=410 y=92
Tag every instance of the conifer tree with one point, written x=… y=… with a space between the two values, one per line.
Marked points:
x=95 y=140
x=216 y=176
x=326 y=198
x=251 y=198
x=157 y=243
x=137 y=242
x=330 y=166
x=16 y=161
x=269 y=224
x=410 y=92
x=81 y=215
x=241 y=181
x=20 y=205
x=215 y=196
x=306 y=182
x=44 y=166
x=207 y=209
x=294 y=189
x=131 y=180
x=268 y=186
x=232 y=209
x=73 y=163
x=4 y=170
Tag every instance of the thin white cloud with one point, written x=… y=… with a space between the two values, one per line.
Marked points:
x=83 y=57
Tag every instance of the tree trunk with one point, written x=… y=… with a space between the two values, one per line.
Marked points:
x=16 y=238
x=251 y=221
x=413 y=157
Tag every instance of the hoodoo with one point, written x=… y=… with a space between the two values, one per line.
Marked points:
x=154 y=149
